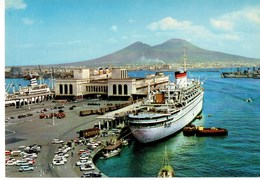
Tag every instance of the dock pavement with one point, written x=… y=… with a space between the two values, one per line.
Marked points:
x=33 y=130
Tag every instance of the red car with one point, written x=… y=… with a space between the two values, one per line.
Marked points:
x=7 y=152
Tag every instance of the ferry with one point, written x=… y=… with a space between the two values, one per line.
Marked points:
x=32 y=91
x=34 y=88
x=167 y=110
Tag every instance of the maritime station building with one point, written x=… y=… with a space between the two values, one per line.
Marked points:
x=112 y=85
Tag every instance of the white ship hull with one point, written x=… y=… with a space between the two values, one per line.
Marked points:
x=180 y=119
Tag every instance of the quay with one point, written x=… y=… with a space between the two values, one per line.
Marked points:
x=33 y=130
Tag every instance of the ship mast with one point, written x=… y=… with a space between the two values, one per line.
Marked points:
x=184 y=60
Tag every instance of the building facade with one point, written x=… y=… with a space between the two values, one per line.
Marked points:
x=116 y=85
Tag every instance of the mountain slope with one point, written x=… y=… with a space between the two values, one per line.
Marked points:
x=170 y=51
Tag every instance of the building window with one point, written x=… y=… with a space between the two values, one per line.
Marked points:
x=114 y=89
x=66 y=89
x=119 y=89
x=125 y=89
x=71 y=89
x=61 y=89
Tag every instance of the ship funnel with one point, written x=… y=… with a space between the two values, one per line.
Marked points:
x=33 y=82
x=181 y=79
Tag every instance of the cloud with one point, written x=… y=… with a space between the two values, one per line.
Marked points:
x=169 y=26
x=15 y=4
x=222 y=24
x=253 y=15
x=28 y=21
x=169 y=23
x=237 y=19
x=114 y=28
x=186 y=27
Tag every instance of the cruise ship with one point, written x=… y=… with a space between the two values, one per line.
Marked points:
x=166 y=111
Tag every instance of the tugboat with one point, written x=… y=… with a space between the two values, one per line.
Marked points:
x=189 y=130
x=166 y=171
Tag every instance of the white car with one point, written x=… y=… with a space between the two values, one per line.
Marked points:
x=60 y=158
x=58 y=162
x=22 y=163
x=26 y=168
x=57 y=141
x=83 y=162
x=10 y=163
x=86 y=167
x=83 y=158
x=32 y=155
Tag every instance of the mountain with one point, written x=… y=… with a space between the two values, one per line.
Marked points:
x=170 y=52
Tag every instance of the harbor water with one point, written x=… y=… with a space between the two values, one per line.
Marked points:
x=235 y=155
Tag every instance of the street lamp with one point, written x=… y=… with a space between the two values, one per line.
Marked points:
x=53 y=123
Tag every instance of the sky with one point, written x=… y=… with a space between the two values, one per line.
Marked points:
x=61 y=31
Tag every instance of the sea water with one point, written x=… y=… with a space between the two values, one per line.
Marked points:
x=235 y=155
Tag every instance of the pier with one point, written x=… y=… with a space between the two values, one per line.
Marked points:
x=112 y=119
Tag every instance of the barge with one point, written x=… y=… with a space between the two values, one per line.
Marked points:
x=191 y=130
x=213 y=131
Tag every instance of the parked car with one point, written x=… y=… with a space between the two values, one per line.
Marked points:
x=83 y=162
x=57 y=141
x=26 y=168
x=10 y=163
x=58 y=162
x=87 y=167
x=60 y=158
x=91 y=174
x=22 y=163
x=7 y=152
x=83 y=158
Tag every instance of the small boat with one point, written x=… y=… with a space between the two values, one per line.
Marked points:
x=189 y=130
x=166 y=171
x=213 y=131
x=125 y=142
x=199 y=117
x=111 y=153
x=248 y=100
